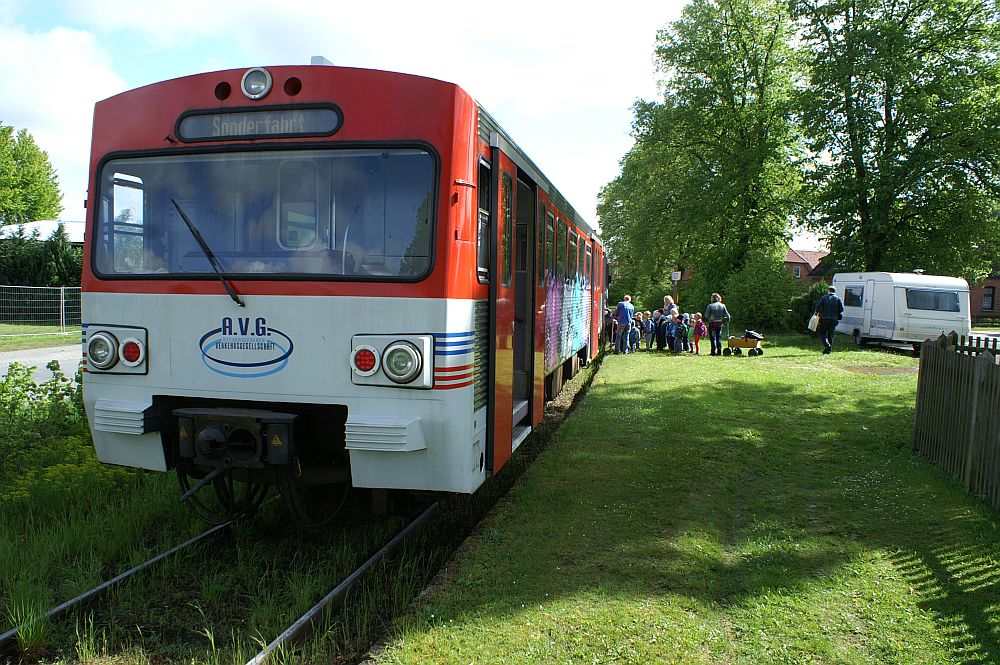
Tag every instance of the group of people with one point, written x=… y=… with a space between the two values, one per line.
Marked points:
x=668 y=328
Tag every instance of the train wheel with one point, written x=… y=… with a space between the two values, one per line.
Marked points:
x=216 y=497
x=311 y=505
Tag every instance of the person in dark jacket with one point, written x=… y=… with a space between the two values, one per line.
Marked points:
x=830 y=309
x=715 y=314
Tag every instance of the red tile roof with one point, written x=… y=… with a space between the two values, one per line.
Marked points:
x=807 y=257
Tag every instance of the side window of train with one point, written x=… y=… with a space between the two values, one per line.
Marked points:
x=587 y=261
x=508 y=230
x=571 y=258
x=127 y=242
x=550 y=241
x=540 y=253
x=580 y=242
x=559 y=260
x=483 y=232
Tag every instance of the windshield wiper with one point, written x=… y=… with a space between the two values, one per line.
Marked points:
x=211 y=257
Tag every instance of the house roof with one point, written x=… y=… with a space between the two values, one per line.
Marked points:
x=46 y=228
x=810 y=258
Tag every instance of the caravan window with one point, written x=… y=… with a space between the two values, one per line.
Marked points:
x=854 y=296
x=939 y=301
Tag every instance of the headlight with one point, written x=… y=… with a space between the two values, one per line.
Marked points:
x=401 y=362
x=102 y=351
x=256 y=83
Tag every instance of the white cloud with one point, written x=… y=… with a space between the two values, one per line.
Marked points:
x=51 y=92
x=545 y=70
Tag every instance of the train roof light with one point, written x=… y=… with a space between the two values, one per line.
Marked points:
x=256 y=83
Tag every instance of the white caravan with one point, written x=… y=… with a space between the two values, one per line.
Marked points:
x=902 y=307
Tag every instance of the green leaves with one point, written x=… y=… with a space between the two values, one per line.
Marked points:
x=713 y=177
x=902 y=111
x=29 y=190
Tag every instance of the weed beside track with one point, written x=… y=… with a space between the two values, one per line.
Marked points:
x=76 y=522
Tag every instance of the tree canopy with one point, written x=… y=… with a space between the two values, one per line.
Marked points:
x=874 y=122
x=29 y=189
x=712 y=178
x=902 y=111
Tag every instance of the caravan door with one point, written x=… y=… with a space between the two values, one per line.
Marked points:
x=867 y=328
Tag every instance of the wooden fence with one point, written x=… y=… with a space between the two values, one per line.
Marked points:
x=957 y=420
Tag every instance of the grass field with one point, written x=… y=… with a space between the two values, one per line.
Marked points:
x=741 y=510
x=69 y=522
x=14 y=337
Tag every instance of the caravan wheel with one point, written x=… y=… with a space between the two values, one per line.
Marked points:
x=858 y=339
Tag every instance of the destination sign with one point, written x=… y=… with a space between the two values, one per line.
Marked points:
x=259 y=124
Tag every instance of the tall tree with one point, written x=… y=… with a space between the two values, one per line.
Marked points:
x=713 y=177
x=29 y=190
x=903 y=111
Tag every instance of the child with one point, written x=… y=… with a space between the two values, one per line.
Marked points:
x=671 y=327
x=649 y=329
x=660 y=325
x=680 y=334
x=635 y=334
x=700 y=330
x=687 y=328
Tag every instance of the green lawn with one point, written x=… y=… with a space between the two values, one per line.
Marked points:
x=14 y=337
x=747 y=510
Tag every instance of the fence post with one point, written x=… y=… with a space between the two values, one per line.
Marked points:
x=970 y=448
x=62 y=309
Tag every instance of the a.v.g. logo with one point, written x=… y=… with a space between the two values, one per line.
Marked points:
x=245 y=348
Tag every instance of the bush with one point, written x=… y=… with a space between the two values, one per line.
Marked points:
x=759 y=295
x=30 y=412
x=803 y=306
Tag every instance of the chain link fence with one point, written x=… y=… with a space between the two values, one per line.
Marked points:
x=39 y=310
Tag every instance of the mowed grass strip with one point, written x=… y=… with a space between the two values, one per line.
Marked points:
x=744 y=510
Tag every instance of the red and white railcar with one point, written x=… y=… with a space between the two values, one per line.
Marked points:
x=315 y=276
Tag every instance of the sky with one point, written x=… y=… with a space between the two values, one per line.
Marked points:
x=559 y=76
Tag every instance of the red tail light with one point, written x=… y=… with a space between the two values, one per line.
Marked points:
x=365 y=361
x=132 y=352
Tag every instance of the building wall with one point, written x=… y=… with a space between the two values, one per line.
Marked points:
x=976 y=298
x=803 y=271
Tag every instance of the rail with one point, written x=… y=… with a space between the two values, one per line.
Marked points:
x=305 y=624
x=8 y=639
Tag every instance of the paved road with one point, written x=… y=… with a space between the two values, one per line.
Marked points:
x=68 y=357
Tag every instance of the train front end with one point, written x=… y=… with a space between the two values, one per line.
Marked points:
x=273 y=291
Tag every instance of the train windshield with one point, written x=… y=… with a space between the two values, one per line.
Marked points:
x=356 y=214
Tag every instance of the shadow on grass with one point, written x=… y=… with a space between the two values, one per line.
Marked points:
x=734 y=490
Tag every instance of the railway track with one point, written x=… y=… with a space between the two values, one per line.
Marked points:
x=296 y=632
x=305 y=624
x=9 y=639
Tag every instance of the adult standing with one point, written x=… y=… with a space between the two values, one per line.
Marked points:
x=830 y=309
x=623 y=315
x=669 y=308
x=715 y=314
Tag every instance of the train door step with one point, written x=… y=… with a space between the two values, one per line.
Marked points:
x=520 y=410
x=521 y=433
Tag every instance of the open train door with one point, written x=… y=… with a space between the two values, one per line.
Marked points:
x=511 y=300
x=502 y=290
